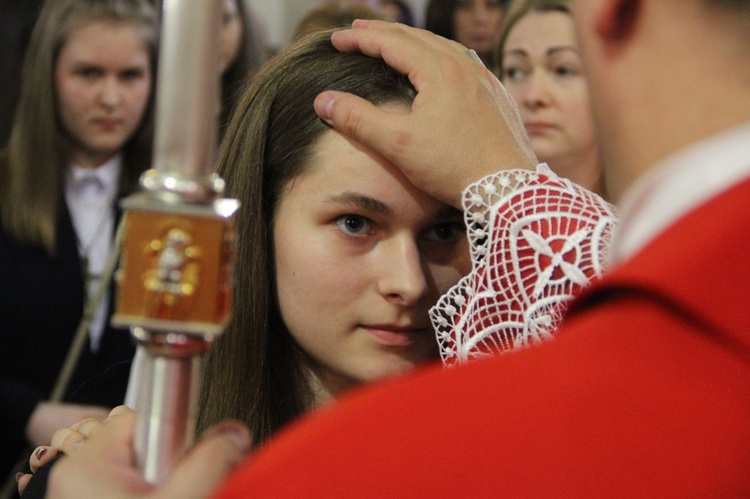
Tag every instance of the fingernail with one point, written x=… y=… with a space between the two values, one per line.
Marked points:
x=325 y=105
x=236 y=433
x=239 y=436
x=41 y=451
x=18 y=476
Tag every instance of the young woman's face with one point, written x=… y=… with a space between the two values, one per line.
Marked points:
x=231 y=33
x=476 y=24
x=103 y=81
x=361 y=255
x=543 y=71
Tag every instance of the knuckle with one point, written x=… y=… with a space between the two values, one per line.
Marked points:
x=63 y=436
x=70 y=441
x=403 y=140
x=352 y=121
x=119 y=411
x=84 y=426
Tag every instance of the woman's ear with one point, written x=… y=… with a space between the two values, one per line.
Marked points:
x=615 y=20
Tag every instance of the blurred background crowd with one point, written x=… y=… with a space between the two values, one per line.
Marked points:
x=266 y=27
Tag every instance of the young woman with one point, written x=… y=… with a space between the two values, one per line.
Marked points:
x=339 y=256
x=540 y=65
x=82 y=135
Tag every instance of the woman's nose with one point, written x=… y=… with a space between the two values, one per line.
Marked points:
x=403 y=280
x=110 y=92
x=536 y=92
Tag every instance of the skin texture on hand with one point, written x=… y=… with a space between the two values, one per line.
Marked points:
x=48 y=417
x=65 y=441
x=49 y=423
x=103 y=465
x=463 y=124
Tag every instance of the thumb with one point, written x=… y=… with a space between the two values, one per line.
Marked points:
x=209 y=462
x=361 y=120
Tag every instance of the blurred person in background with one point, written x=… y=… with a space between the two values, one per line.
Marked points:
x=472 y=23
x=539 y=63
x=242 y=54
x=397 y=11
x=81 y=137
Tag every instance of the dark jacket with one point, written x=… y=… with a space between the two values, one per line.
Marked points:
x=41 y=303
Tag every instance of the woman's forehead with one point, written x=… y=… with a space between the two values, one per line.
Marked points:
x=343 y=171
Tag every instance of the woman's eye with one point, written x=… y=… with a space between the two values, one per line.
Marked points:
x=446 y=233
x=132 y=74
x=89 y=73
x=354 y=225
x=512 y=73
x=566 y=71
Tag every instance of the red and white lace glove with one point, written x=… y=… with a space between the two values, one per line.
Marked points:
x=536 y=241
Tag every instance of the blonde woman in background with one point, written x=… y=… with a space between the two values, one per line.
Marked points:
x=540 y=65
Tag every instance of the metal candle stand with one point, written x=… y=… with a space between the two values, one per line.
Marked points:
x=175 y=276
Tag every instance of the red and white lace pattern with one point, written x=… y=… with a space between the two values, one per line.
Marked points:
x=536 y=241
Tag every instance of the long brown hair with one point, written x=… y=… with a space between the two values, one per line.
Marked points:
x=439 y=17
x=31 y=186
x=255 y=372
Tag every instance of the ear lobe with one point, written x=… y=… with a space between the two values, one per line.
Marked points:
x=616 y=19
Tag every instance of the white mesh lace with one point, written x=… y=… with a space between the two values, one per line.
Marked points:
x=536 y=240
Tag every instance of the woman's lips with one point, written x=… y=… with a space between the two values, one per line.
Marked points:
x=538 y=128
x=107 y=124
x=394 y=335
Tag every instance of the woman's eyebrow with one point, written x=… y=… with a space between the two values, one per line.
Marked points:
x=517 y=52
x=449 y=211
x=562 y=48
x=371 y=204
x=361 y=201
x=520 y=52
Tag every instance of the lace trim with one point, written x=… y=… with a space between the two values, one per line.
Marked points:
x=536 y=241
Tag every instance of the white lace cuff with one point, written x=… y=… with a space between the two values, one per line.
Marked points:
x=536 y=240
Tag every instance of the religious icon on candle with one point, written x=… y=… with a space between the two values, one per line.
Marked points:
x=172 y=275
x=176 y=273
